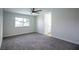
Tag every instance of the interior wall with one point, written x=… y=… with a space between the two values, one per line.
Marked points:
x=9 y=28
x=40 y=24
x=1 y=25
x=65 y=24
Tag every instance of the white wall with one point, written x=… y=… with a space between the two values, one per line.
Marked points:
x=9 y=24
x=65 y=24
x=40 y=23
x=1 y=25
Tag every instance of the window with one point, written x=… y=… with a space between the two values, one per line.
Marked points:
x=21 y=22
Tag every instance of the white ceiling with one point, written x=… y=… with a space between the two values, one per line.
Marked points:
x=26 y=11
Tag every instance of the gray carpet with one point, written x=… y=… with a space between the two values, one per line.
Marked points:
x=36 y=41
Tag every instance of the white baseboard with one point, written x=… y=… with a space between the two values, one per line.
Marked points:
x=61 y=38
x=17 y=34
x=65 y=39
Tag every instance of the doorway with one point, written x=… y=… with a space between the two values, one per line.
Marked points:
x=47 y=23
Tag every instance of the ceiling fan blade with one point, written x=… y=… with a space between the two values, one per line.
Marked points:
x=34 y=11
x=38 y=10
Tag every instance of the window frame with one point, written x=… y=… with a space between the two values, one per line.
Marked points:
x=23 y=22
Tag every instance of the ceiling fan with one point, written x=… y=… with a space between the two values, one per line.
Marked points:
x=33 y=10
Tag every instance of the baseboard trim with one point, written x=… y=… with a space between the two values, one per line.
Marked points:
x=65 y=40
x=60 y=39
x=42 y=34
x=19 y=34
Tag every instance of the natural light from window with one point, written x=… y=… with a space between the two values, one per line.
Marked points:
x=47 y=23
x=21 y=22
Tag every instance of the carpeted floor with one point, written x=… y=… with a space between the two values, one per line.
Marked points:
x=36 y=41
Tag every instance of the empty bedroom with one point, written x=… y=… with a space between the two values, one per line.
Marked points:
x=39 y=28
